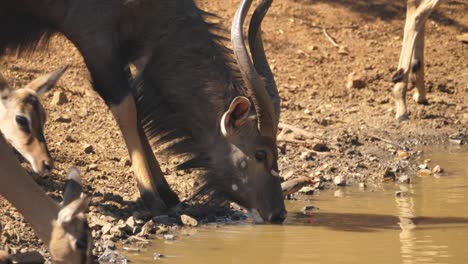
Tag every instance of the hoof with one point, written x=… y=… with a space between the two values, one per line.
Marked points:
x=402 y=118
x=421 y=101
x=153 y=203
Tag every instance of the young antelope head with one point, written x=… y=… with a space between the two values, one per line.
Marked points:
x=22 y=119
x=71 y=240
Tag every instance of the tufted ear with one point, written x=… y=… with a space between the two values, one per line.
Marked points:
x=46 y=82
x=236 y=115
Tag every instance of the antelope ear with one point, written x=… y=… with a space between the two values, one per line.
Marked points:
x=46 y=82
x=73 y=186
x=236 y=115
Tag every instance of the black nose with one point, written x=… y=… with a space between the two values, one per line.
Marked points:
x=279 y=217
x=47 y=166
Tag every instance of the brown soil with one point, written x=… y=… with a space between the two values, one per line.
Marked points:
x=311 y=75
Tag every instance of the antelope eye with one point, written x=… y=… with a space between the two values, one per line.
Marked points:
x=260 y=155
x=23 y=123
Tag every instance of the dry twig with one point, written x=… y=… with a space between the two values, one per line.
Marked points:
x=330 y=38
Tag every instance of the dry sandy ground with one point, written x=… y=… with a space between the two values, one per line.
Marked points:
x=311 y=74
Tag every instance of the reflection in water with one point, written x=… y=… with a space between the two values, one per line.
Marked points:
x=415 y=249
x=427 y=224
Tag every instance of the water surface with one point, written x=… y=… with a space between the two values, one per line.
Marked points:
x=427 y=224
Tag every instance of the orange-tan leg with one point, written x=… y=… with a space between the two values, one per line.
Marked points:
x=417 y=13
x=150 y=179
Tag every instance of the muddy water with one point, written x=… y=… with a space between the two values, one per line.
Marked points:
x=427 y=224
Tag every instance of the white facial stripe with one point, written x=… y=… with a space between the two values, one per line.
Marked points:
x=234 y=187
x=243 y=164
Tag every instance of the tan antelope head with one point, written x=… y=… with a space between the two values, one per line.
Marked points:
x=22 y=119
x=71 y=240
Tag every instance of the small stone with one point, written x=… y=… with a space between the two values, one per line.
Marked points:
x=320 y=147
x=310 y=208
x=423 y=166
x=355 y=81
x=59 y=98
x=109 y=244
x=307 y=190
x=131 y=222
x=403 y=155
x=398 y=193
x=339 y=181
x=157 y=256
x=389 y=175
x=305 y=156
x=188 y=220
x=424 y=173
x=307 y=112
x=362 y=185
x=88 y=149
x=437 y=169
x=404 y=179
x=106 y=228
x=63 y=119
x=169 y=237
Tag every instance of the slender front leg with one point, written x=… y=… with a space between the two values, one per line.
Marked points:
x=110 y=79
x=25 y=195
x=417 y=71
x=143 y=163
x=416 y=16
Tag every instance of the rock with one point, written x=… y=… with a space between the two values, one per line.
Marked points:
x=310 y=208
x=109 y=244
x=106 y=229
x=389 y=175
x=157 y=256
x=424 y=173
x=63 y=119
x=147 y=229
x=88 y=149
x=307 y=155
x=437 y=169
x=131 y=224
x=398 y=193
x=112 y=256
x=362 y=185
x=320 y=147
x=423 y=166
x=188 y=220
x=339 y=181
x=404 y=179
x=355 y=81
x=169 y=237
x=307 y=190
x=59 y=98
x=403 y=155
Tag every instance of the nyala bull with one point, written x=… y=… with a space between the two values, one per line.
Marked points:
x=189 y=93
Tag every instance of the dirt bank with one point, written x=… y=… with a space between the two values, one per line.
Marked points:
x=351 y=132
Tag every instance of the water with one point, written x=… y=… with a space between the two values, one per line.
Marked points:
x=428 y=225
